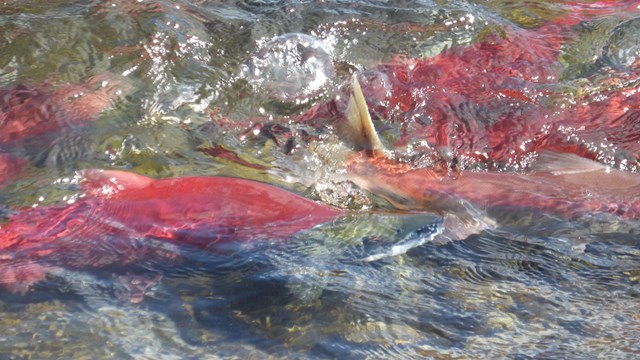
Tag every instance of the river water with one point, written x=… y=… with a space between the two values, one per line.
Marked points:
x=240 y=89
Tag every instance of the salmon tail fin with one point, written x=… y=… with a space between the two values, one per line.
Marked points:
x=109 y=182
x=359 y=128
x=557 y=163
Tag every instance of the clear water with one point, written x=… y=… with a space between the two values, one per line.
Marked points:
x=194 y=88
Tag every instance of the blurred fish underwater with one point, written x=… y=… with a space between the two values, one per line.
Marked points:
x=319 y=179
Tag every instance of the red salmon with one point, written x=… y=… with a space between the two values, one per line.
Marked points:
x=27 y=112
x=120 y=210
x=30 y=112
x=498 y=100
x=560 y=184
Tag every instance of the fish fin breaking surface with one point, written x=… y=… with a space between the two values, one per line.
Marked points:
x=361 y=130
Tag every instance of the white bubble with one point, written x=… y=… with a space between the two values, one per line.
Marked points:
x=291 y=68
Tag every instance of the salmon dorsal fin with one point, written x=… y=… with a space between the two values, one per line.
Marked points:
x=556 y=163
x=110 y=182
x=360 y=129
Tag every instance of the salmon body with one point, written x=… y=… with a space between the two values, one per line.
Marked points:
x=32 y=111
x=560 y=191
x=504 y=119
x=563 y=184
x=501 y=98
x=46 y=113
x=121 y=210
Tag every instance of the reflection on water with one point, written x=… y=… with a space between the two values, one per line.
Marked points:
x=254 y=89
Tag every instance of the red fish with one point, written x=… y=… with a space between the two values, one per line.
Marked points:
x=27 y=112
x=455 y=95
x=559 y=184
x=480 y=101
x=497 y=101
x=31 y=112
x=120 y=210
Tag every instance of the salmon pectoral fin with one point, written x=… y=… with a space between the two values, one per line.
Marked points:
x=556 y=163
x=589 y=175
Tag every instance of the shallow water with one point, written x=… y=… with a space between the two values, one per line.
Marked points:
x=176 y=88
